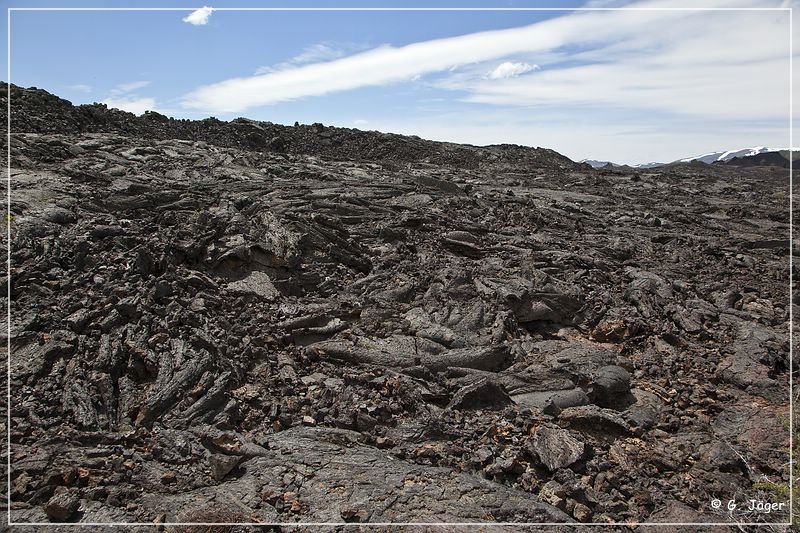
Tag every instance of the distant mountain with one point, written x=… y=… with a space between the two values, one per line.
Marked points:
x=598 y=164
x=713 y=157
x=601 y=164
x=778 y=158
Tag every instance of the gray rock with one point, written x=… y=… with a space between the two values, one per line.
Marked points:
x=62 y=506
x=560 y=400
x=78 y=320
x=364 y=477
x=256 y=283
x=611 y=387
x=483 y=394
x=221 y=464
x=675 y=512
x=104 y=231
x=582 y=513
x=556 y=447
x=553 y=493
x=592 y=419
x=59 y=215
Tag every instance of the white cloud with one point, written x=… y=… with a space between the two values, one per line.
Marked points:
x=734 y=91
x=385 y=64
x=80 y=87
x=131 y=104
x=698 y=66
x=199 y=17
x=360 y=122
x=720 y=65
x=123 y=88
x=510 y=70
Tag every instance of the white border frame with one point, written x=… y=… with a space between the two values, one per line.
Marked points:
x=388 y=524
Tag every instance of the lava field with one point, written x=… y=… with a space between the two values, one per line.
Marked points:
x=247 y=322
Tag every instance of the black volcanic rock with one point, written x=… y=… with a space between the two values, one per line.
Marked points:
x=773 y=159
x=37 y=111
x=240 y=321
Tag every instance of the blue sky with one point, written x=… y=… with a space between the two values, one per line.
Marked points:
x=629 y=86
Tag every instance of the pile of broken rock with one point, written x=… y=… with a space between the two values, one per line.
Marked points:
x=246 y=322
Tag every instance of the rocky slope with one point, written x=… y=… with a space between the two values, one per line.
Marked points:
x=243 y=321
x=777 y=159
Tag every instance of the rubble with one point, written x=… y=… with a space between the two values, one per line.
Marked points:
x=254 y=322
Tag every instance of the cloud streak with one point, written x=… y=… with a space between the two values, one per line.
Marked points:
x=644 y=59
x=310 y=54
x=123 y=88
x=385 y=64
x=80 y=87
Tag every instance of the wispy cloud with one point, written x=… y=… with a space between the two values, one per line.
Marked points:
x=510 y=70
x=697 y=66
x=123 y=97
x=80 y=87
x=621 y=58
x=132 y=104
x=385 y=64
x=199 y=17
x=317 y=52
x=123 y=88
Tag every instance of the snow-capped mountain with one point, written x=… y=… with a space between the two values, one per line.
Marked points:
x=775 y=158
x=709 y=158
x=597 y=164
x=600 y=164
x=725 y=156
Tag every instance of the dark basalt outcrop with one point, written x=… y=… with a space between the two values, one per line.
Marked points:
x=775 y=159
x=242 y=321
